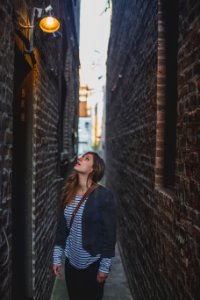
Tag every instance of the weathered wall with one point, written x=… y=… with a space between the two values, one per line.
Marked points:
x=40 y=117
x=158 y=223
x=6 y=88
x=45 y=178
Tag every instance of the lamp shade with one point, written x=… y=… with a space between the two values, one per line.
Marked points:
x=49 y=24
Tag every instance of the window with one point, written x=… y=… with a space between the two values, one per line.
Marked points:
x=166 y=93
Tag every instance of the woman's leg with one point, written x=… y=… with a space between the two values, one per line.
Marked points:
x=82 y=284
x=72 y=281
x=92 y=289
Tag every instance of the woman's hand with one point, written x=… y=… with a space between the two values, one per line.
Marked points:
x=57 y=271
x=101 y=276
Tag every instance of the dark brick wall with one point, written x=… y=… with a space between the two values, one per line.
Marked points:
x=70 y=11
x=158 y=224
x=6 y=87
x=43 y=147
x=45 y=182
x=70 y=124
x=188 y=145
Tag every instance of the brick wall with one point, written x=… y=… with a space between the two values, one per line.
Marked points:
x=45 y=183
x=70 y=122
x=158 y=224
x=41 y=112
x=6 y=87
x=188 y=145
x=71 y=11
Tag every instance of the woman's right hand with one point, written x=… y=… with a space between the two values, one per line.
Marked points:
x=57 y=271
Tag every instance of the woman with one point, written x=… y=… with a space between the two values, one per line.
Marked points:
x=88 y=240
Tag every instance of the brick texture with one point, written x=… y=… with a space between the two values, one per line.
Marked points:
x=158 y=225
x=6 y=87
x=43 y=151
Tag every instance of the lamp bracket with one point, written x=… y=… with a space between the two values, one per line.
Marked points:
x=48 y=8
x=37 y=12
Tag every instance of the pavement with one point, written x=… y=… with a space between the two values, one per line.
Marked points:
x=116 y=286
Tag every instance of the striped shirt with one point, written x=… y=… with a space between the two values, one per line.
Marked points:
x=78 y=257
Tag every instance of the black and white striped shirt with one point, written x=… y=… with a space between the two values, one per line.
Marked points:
x=78 y=257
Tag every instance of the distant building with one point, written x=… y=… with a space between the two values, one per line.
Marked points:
x=85 y=122
x=85 y=135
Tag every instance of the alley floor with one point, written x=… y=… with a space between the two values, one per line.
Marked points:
x=116 y=287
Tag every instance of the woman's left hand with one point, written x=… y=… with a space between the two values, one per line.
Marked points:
x=101 y=276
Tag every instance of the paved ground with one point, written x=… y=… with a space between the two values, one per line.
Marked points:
x=116 y=287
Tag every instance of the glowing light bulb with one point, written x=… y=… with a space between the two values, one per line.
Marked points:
x=49 y=24
x=49 y=21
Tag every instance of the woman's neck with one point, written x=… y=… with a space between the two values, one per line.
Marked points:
x=83 y=183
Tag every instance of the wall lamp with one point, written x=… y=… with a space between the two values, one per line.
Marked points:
x=48 y=23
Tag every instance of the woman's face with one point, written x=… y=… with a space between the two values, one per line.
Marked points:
x=84 y=164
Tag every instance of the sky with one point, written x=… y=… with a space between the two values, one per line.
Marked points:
x=94 y=34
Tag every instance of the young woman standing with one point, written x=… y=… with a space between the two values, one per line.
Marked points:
x=86 y=230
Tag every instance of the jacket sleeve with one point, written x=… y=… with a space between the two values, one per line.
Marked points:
x=109 y=218
x=62 y=231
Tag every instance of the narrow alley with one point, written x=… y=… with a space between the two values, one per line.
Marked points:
x=139 y=110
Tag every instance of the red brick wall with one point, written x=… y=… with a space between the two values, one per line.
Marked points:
x=158 y=224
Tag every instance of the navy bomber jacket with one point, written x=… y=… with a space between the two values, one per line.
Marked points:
x=98 y=224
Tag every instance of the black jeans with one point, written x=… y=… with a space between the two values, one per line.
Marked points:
x=82 y=283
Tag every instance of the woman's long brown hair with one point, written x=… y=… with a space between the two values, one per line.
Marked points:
x=72 y=181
